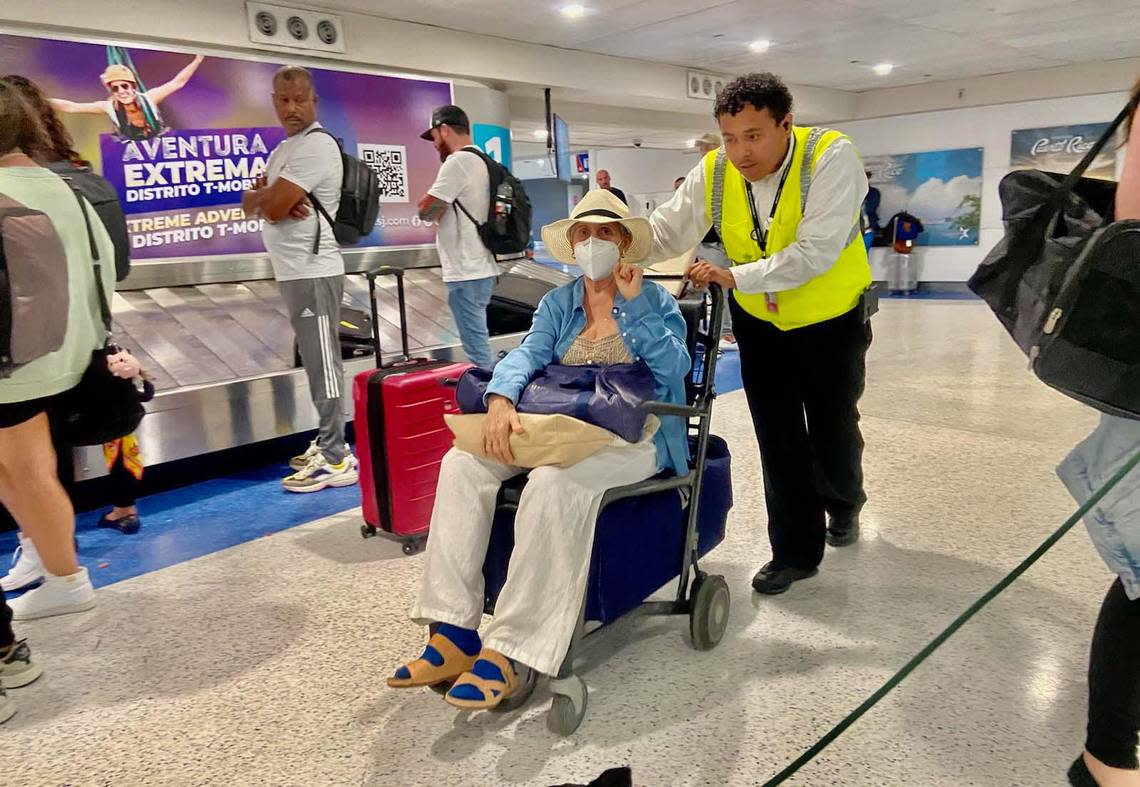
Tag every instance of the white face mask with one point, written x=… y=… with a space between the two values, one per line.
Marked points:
x=597 y=258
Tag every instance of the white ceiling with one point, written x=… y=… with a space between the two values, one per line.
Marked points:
x=826 y=43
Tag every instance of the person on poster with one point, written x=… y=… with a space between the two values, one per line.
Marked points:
x=134 y=112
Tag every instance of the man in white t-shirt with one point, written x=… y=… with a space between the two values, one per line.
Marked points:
x=297 y=198
x=461 y=196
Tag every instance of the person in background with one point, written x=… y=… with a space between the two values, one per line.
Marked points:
x=469 y=268
x=1113 y=734
x=29 y=481
x=124 y=459
x=309 y=272
x=871 y=206
x=787 y=201
x=606 y=182
x=712 y=250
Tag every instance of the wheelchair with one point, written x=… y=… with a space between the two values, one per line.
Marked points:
x=686 y=515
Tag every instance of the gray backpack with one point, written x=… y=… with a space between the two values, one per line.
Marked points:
x=33 y=286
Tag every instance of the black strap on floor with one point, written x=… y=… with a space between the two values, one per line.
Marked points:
x=950 y=630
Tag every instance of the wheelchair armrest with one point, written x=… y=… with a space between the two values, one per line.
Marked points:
x=665 y=408
x=650 y=487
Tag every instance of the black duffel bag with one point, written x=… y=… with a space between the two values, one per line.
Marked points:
x=1065 y=282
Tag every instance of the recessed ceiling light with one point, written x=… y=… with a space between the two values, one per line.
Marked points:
x=540 y=133
x=574 y=11
x=884 y=69
x=761 y=46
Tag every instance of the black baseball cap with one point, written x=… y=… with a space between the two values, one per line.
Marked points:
x=449 y=115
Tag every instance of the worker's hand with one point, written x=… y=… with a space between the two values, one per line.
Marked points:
x=628 y=278
x=501 y=422
x=302 y=210
x=260 y=182
x=702 y=274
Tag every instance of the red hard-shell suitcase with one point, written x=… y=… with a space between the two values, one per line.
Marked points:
x=401 y=436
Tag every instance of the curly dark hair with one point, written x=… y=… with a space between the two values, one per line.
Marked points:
x=762 y=91
x=20 y=129
x=59 y=145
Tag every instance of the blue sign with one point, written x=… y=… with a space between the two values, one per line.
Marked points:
x=495 y=141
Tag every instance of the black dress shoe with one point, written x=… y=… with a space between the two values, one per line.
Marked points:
x=843 y=532
x=1079 y=775
x=772 y=580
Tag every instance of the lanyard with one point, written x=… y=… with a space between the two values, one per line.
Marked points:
x=759 y=234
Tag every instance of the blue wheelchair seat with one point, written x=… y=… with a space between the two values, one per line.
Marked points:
x=639 y=543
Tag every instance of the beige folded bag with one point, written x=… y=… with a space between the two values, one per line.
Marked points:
x=547 y=439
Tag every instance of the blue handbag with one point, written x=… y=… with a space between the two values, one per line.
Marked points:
x=607 y=396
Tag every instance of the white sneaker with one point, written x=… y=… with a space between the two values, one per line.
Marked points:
x=27 y=570
x=318 y=474
x=298 y=462
x=56 y=596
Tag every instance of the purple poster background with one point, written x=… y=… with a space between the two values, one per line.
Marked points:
x=227 y=96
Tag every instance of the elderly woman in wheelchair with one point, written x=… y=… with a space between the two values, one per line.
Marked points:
x=607 y=316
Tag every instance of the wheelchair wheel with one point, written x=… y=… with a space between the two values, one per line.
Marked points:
x=567 y=712
x=708 y=618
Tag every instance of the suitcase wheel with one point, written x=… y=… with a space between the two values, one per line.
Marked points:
x=367 y=531
x=414 y=546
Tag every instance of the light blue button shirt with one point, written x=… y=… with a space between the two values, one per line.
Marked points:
x=653 y=330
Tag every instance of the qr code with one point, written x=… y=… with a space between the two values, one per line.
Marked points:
x=390 y=163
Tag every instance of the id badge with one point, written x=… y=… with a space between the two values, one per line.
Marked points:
x=772 y=304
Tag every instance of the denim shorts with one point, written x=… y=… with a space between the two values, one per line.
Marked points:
x=1114 y=523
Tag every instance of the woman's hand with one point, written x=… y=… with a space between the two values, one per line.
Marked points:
x=124 y=365
x=501 y=422
x=628 y=279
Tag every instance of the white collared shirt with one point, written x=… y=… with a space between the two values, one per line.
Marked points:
x=838 y=188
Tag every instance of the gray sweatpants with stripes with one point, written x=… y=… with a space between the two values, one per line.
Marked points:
x=314 y=311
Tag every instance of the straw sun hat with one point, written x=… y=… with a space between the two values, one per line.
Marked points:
x=598 y=207
x=118 y=73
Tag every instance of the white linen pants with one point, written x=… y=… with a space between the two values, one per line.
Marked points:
x=538 y=608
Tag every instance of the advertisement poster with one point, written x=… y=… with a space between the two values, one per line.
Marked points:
x=943 y=188
x=1061 y=148
x=495 y=141
x=182 y=136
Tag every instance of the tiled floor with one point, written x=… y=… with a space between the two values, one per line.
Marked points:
x=263 y=664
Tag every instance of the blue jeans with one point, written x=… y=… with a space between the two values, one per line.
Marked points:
x=469 y=301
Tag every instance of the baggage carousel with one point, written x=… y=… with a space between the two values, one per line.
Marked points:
x=215 y=339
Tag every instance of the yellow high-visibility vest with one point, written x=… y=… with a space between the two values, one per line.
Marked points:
x=823 y=298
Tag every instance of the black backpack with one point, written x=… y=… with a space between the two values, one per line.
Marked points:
x=506 y=233
x=101 y=195
x=359 y=200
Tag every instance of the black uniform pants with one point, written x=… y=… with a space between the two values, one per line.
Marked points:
x=803 y=389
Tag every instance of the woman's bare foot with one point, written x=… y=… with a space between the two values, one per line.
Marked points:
x=1111 y=777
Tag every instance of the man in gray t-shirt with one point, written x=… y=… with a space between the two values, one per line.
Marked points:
x=306 y=259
